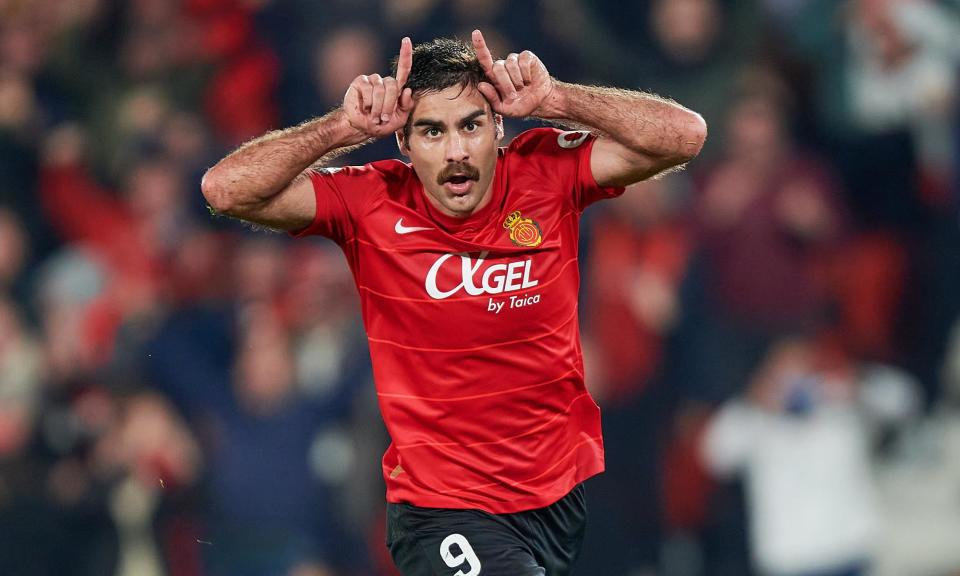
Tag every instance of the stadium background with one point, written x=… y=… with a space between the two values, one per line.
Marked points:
x=180 y=395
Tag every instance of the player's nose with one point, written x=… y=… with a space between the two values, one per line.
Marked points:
x=456 y=150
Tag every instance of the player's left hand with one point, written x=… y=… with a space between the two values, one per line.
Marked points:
x=519 y=84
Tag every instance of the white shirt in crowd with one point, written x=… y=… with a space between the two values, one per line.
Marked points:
x=809 y=479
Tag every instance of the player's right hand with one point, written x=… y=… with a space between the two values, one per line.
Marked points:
x=379 y=105
x=516 y=87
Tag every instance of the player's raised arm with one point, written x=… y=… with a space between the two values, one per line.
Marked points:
x=641 y=134
x=264 y=180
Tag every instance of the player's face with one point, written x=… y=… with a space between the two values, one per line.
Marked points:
x=452 y=145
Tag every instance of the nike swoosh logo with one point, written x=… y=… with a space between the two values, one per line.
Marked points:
x=401 y=229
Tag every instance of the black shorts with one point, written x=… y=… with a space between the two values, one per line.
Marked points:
x=450 y=542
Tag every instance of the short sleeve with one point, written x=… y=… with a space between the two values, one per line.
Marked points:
x=563 y=157
x=343 y=196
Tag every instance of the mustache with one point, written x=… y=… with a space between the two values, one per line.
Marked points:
x=464 y=169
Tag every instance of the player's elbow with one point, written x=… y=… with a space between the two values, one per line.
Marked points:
x=695 y=136
x=692 y=136
x=215 y=191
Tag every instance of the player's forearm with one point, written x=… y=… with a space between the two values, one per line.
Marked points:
x=643 y=123
x=263 y=167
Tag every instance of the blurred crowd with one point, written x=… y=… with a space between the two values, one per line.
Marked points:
x=773 y=334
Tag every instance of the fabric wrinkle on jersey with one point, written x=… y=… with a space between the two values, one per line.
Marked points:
x=472 y=324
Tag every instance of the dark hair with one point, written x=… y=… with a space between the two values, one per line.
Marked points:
x=440 y=64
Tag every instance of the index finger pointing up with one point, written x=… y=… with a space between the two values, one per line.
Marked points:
x=405 y=61
x=483 y=53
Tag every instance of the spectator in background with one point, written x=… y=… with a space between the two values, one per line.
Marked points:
x=134 y=236
x=640 y=256
x=683 y=46
x=119 y=68
x=264 y=516
x=340 y=57
x=890 y=107
x=767 y=217
x=262 y=396
x=150 y=454
x=900 y=76
x=318 y=306
x=698 y=43
x=885 y=98
x=641 y=249
x=320 y=309
x=83 y=211
x=802 y=437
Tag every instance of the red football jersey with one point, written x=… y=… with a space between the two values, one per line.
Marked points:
x=472 y=324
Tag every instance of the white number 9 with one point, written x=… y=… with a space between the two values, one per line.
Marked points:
x=466 y=555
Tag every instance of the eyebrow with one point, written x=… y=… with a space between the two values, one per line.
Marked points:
x=428 y=122
x=471 y=117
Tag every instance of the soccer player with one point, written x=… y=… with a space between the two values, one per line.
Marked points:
x=466 y=263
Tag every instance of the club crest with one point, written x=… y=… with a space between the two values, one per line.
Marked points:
x=523 y=231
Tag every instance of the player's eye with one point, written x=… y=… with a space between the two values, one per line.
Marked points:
x=471 y=126
x=432 y=132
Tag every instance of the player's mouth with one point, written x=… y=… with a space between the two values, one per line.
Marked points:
x=458 y=179
x=459 y=185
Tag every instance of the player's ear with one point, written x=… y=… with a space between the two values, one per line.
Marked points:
x=402 y=142
x=498 y=122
